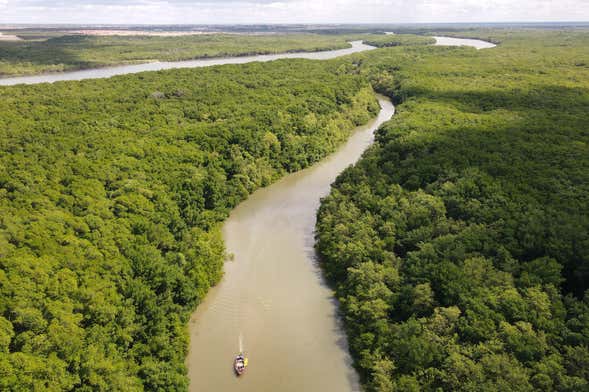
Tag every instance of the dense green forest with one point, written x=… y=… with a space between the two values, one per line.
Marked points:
x=386 y=40
x=459 y=244
x=71 y=52
x=111 y=195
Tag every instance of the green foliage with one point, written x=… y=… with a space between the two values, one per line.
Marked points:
x=458 y=244
x=388 y=40
x=111 y=196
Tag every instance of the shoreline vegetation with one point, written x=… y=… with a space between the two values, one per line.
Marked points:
x=80 y=52
x=457 y=246
x=67 y=53
x=112 y=192
x=391 y=40
x=96 y=49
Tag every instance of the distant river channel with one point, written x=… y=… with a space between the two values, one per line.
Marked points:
x=107 y=72
x=475 y=43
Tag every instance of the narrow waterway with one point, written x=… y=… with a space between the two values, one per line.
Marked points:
x=107 y=72
x=272 y=295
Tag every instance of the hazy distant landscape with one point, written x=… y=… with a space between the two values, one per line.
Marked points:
x=403 y=209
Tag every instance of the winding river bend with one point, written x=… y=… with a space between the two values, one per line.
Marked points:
x=273 y=295
x=272 y=300
x=107 y=72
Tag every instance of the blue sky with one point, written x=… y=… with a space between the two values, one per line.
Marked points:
x=289 y=11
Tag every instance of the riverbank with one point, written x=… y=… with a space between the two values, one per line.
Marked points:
x=70 y=53
x=465 y=218
x=8 y=37
x=118 y=187
x=354 y=47
x=107 y=71
x=272 y=293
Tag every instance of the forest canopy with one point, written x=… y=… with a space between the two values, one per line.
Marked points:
x=388 y=40
x=111 y=196
x=459 y=244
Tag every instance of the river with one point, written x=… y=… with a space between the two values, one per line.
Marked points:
x=273 y=295
x=106 y=72
x=272 y=300
x=475 y=43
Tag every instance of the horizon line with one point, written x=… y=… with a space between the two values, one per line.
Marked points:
x=294 y=23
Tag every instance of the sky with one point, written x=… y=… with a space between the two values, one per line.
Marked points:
x=289 y=11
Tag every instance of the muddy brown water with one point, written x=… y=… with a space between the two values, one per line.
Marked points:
x=273 y=302
x=272 y=294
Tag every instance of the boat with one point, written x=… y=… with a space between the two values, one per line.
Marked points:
x=239 y=364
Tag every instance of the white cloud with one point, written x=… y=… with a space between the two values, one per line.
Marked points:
x=289 y=11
